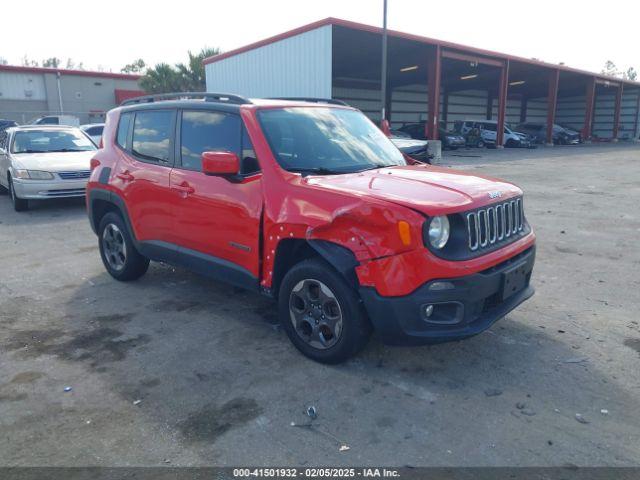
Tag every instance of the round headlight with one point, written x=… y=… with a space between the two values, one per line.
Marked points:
x=439 y=231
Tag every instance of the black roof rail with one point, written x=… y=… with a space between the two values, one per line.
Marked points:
x=206 y=96
x=330 y=101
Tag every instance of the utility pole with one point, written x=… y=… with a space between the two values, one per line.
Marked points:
x=383 y=93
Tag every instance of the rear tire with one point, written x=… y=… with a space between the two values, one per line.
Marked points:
x=19 y=204
x=118 y=253
x=480 y=144
x=321 y=313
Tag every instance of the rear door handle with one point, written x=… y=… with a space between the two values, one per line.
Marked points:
x=184 y=188
x=125 y=176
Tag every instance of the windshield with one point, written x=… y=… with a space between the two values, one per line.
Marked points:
x=40 y=141
x=327 y=140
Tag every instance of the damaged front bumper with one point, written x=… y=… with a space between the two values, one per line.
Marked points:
x=452 y=308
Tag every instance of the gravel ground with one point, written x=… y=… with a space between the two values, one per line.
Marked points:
x=177 y=370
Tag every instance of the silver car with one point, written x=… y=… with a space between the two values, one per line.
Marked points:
x=94 y=131
x=43 y=162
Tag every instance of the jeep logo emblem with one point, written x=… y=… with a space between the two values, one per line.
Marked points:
x=496 y=194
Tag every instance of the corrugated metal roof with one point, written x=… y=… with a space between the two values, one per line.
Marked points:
x=417 y=38
x=63 y=71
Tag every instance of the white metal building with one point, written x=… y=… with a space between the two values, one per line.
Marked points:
x=338 y=59
x=30 y=92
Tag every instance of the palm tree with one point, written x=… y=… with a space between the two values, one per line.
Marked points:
x=162 y=78
x=189 y=77
x=192 y=73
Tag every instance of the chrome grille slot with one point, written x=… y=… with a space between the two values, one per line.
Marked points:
x=483 y=225
x=492 y=224
x=500 y=215
x=496 y=223
x=472 y=231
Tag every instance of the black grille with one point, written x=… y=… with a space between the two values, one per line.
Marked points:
x=74 y=175
x=495 y=223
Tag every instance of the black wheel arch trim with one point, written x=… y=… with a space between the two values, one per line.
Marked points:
x=340 y=258
x=113 y=198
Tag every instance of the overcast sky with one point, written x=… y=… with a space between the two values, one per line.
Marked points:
x=583 y=34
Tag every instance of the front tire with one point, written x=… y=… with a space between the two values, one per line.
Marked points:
x=321 y=313
x=19 y=204
x=118 y=253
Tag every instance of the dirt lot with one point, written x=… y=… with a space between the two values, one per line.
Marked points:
x=220 y=384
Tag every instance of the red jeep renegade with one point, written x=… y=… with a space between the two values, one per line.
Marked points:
x=310 y=203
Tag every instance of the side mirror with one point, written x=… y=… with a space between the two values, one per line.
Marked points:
x=220 y=163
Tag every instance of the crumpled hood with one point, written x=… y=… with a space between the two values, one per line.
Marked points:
x=54 y=161
x=430 y=190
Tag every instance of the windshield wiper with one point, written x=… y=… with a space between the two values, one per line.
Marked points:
x=311 y=170
x=31 y=151
x=373 y=168
x=68 y=150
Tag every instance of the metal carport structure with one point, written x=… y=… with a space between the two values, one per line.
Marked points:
x=429 y=80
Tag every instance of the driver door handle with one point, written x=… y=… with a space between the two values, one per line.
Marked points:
x=125 y=176
x=184 y=187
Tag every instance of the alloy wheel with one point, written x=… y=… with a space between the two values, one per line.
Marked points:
x=114 y=248
x=315 y=314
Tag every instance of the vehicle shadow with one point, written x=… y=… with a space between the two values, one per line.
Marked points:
x=213 y=353
x=42 y=212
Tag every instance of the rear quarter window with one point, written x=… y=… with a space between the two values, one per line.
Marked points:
x=123 y=129
x=152 y=135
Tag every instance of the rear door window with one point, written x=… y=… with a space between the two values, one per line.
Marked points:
x=208 y=131
x=152 y=135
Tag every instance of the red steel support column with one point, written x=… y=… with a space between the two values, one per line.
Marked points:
x=434 y=66
x=502 y=103
x=552 y=100
x=588 y=114
x=616 y=112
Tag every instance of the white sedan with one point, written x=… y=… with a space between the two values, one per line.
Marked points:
x=43 y=162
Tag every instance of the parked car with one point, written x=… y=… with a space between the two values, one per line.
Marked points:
x=94 y=131
x=415 y=130
x=560 y=135
x=4 y=125
x=399 y=134
x=416 y=149
x=312 y=205
x=450 y=140
x=488 y=133
x=44 y=162
x=68 y=120
x=572 y=133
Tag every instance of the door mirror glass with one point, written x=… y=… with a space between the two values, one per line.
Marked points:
x=220 y=163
